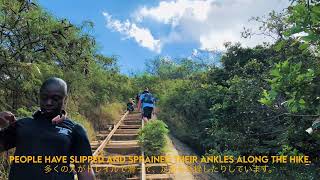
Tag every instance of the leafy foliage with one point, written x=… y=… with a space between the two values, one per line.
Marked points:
x=257 y=101
x=260 y=101
x=34 y=45
x=152 y=137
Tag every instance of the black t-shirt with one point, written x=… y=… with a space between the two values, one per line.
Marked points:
x=39 y=137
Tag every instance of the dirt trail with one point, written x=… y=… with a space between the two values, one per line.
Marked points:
x=186 y=174
x=177 y=148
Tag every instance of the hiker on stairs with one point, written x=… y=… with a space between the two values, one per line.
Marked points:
x=146 y=105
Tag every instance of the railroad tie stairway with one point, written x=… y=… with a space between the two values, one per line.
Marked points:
x=122 y=143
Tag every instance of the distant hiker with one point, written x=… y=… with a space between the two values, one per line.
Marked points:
x=110 y=127
x=130 y=105
x=146 y=104
x=139 y=94
x=48 y=133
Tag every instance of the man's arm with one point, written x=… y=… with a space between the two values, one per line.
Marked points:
x=8 y=128
x=6 y=118
x=7 y=135
x=81 y=147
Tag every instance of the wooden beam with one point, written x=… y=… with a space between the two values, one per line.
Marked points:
x=105 y=141
x=143 y=165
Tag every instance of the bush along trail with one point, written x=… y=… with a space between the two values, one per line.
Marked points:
x=131 y=151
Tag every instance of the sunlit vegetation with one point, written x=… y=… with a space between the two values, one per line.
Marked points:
x=256 y=101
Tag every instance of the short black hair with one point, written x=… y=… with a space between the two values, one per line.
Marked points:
x=56 y=81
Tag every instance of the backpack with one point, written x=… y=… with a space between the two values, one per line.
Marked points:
x=148 y=98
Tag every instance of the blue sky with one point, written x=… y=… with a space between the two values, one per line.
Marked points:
x=138 y=30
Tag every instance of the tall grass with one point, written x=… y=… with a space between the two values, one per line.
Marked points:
x=110 y=114
x=85 y=123
x=4 y=164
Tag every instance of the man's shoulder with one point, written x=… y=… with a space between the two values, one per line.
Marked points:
x=25 y=120
x=69 y=122
x=78 y=128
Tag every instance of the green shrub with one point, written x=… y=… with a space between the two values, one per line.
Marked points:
x=22 y=112
x=289 y=151
x=152 y=137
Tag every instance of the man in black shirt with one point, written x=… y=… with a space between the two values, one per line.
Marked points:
x=48 y=133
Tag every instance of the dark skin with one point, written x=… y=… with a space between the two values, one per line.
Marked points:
x=6 y=118
x=52 y=101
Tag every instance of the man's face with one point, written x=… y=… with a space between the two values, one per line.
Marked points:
x=52 y=100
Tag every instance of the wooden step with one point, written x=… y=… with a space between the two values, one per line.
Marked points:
x=124 y=136
x=126 y=131
x=94 y=143
x=129 y=126
x=132 y=120
x=136 y=122
x=124 y=146
x=123 y=143
x=94 y=146
x=104 y=132
x=123 y=149
x=101 y=136
x=113 y=143
x=134 y=115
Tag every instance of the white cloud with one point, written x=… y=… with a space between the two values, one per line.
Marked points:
x=209 y=22
x=216 y=39
x=170 y=12
x=142 y=36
